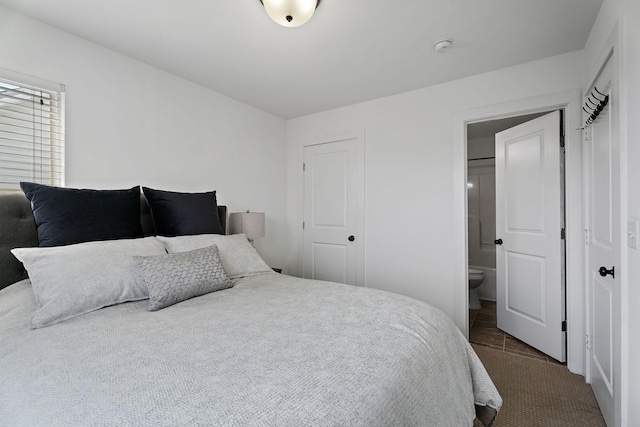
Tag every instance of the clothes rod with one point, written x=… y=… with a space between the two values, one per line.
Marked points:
x=482 y=158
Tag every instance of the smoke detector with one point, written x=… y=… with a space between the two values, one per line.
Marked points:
x=442 y=45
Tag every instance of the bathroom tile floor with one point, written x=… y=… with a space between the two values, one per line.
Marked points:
x=483 y=330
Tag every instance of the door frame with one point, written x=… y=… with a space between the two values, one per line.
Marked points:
x=358 y=136
x=570 y=102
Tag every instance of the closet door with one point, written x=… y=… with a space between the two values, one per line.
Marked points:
x=333 y=209
x=603 y=247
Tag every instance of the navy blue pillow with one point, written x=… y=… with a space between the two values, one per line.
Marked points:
x=182 y=214
x=65 y=216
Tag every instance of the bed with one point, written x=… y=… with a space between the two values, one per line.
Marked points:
x=263 y=349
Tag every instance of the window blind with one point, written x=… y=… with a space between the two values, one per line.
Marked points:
x=31 y=135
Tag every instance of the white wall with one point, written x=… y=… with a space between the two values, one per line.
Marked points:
x=129 y=123
x=408 y=167
x=627 y=14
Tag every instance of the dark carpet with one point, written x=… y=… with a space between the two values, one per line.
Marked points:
x=539 y=393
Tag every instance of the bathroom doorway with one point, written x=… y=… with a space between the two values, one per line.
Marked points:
x=517 y=278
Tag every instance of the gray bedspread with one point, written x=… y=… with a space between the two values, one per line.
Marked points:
x=271 y=351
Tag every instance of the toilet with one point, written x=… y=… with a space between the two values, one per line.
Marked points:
x=476 y=277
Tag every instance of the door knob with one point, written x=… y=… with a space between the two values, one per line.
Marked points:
x=352 y=238
x=498 y=241
x=603 y=271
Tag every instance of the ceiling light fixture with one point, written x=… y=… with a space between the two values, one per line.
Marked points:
x=290 y=13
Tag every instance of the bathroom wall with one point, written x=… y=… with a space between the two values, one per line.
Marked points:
x=481 y=193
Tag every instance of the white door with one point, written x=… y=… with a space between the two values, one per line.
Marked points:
x=529 y=246
x=603 y=250
x=330 y=240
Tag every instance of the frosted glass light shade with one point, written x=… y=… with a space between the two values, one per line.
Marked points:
x=251 y=224
x=290 y=13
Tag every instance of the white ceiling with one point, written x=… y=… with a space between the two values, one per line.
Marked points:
x=350 y=51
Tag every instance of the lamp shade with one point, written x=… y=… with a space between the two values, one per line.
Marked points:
x=290 y=13
x=251 y=224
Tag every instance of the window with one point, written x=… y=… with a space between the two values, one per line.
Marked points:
x=31 y=134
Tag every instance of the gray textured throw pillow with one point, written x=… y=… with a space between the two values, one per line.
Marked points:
x=172 y=278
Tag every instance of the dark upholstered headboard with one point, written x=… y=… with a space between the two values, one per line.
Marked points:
x=18 y=230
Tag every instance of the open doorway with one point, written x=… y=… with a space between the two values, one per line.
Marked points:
x=524 y=233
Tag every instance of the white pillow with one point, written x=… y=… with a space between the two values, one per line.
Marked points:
x=76 y=279
x=239 y=258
